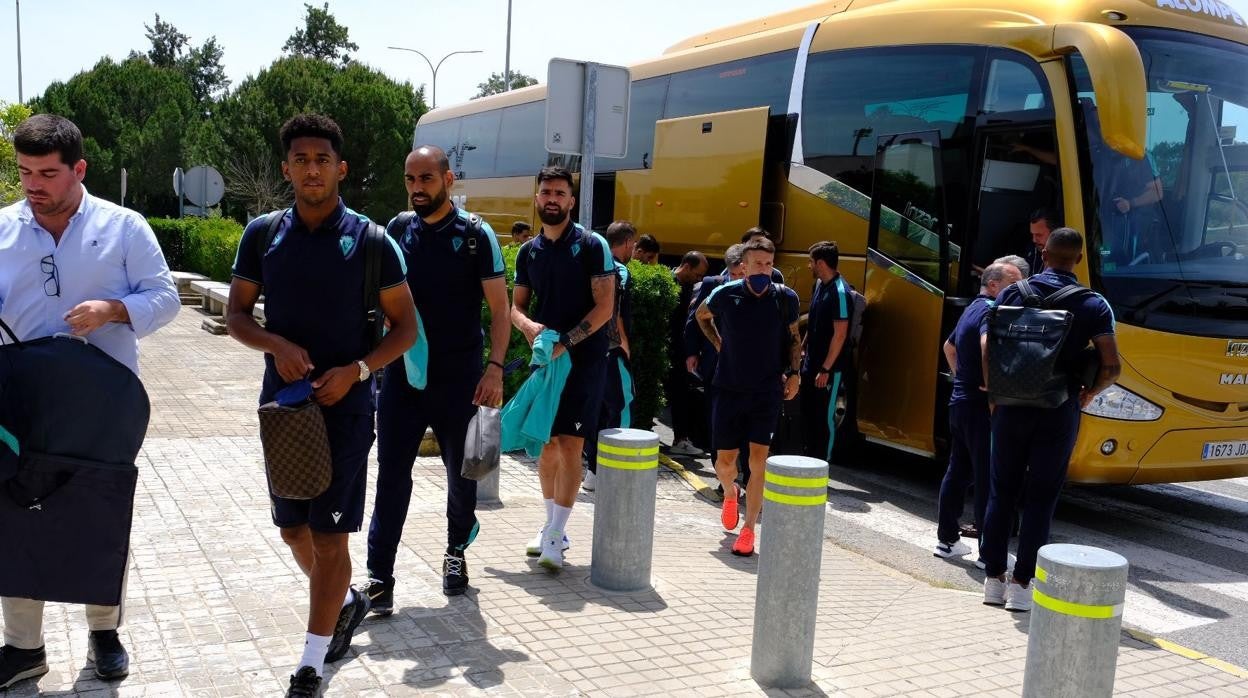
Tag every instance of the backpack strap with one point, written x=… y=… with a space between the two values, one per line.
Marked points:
x=374 y=240
x=1065 y=293
x=399 y=223
x=272 y=220
x=1031 y=299
x=476 y=227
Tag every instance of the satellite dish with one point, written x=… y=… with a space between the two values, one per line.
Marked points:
x=203 y=186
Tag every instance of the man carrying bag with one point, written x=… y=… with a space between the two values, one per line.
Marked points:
x=74 y=265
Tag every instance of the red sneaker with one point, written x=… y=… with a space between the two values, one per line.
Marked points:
x=728 y=515
x=745 y=543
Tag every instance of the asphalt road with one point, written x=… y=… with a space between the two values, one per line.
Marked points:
x=1187 y=543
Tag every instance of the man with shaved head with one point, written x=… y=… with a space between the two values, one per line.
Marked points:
x=1031 y=446
x=453 y=262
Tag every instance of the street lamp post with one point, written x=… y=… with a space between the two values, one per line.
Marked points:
x=433 y=68
x=507 y=56
x=17 y=4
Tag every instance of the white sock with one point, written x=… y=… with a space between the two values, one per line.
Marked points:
x=560 y=520
x=550 y=512
x=350 y=597
x=314 y=649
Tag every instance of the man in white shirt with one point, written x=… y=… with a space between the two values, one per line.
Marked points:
x=71 y=263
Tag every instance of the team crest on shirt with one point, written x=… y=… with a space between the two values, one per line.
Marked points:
x=457 y=242
x=576 y=248
x=737 y=301
x=346 y=243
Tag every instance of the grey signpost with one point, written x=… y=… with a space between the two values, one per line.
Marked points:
x=587 y=115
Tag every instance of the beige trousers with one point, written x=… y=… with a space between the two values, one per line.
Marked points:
x=23 y=619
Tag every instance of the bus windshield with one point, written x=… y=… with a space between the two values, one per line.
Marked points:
x=1170 y=243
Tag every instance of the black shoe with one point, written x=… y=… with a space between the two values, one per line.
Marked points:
x=348 y=620
x=969 y=530
x=19 y=665
x=111 y=660
x=380 y=595
x=454 y=572
x=304 y=684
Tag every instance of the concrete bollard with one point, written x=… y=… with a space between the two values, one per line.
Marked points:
x=1076 y=622
x=795 y=490
x=628 y=463
x=487 y=489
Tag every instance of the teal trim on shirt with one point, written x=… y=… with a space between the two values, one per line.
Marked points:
x=8 y=439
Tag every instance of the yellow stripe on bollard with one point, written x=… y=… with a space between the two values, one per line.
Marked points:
x=628 y=452
x=1070 y=608
x=1041 y=574
x=796 y=500
x=627 y=465
x=814 y=483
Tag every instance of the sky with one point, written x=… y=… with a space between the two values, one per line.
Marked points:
x=63 y=37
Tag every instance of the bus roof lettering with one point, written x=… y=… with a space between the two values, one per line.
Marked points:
x=1213 y=8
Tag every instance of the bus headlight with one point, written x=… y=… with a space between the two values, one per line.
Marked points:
x=1116 y=402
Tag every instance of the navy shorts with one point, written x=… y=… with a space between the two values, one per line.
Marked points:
x=581 y=400
x=736 y=414
x=339 y=509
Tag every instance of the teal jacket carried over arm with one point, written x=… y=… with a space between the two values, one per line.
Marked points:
x=530 y=415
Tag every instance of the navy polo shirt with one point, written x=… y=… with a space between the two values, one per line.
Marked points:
x=446 y=263
x=313 y=284
x=755 y=333
x=829 y=303
x=1092 y=314
x=623 y=306
x=968 y=374
x=559 y=273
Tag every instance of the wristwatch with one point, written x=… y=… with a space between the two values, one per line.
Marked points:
x=365 y=372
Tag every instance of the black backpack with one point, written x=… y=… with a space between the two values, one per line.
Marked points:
x=1024 y=345
x=374 y=240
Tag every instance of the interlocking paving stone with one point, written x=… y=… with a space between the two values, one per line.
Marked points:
x=217 y=606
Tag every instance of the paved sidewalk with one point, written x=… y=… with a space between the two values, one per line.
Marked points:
x=216 y=604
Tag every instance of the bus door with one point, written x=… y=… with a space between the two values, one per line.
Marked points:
x=907 y=272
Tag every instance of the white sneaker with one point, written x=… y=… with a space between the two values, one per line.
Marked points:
x=552 y=551
x=954 y=549
x=981 y=564
x=534 y=548
x=590 y=481
x=994 y=592
x=1018 y=597
x=684 y=447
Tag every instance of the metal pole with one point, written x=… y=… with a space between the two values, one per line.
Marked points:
x=432 y=68
x=17 y=5
x=588 y=143
x=628 y=467
x=507 y=55
x=795 y=490
x=1076 y=622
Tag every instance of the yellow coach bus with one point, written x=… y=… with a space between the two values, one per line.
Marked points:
x=921 y=135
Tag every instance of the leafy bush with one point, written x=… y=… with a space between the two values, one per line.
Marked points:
x=654 y=298
x=202 y=245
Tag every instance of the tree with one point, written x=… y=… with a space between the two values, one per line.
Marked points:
x=10 y=183
x=132 y=114
x=321 y=37
x=201 y=65
x=377 y=115
x=167 y=43
x=496 y=83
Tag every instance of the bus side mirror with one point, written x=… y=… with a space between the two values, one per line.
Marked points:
x=1118 y=80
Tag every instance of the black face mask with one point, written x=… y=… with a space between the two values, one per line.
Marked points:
x=758 y=283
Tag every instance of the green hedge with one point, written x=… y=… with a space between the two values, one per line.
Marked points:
x=202 y=245
x=654 y=299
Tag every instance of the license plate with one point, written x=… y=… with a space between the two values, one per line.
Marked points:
x=1222 y=450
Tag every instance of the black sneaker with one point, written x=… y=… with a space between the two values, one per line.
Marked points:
x=380 y=595
x=454 y=572
x=348 y=620
x=304 y=684
x=19 y=665
x=110 y=658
